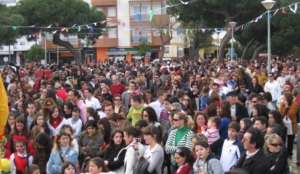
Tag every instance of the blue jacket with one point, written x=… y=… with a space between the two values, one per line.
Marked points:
x=54 y=164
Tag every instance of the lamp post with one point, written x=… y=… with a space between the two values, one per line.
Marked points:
x=268 y=4
x=232 y=25
x=218 y=33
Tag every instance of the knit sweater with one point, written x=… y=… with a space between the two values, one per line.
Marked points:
x=185 y=141
x=212 y=134
x=117 y=89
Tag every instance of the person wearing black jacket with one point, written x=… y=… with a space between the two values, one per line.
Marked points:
x=254 y=160
x=238 y=111
x=255 y=87
x=115 y=152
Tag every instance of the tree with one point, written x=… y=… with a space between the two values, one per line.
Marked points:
x=143 y=48
x=63 y=14
x=217 y=14
x=163 y=27
x=8 y=18
x=35 y=53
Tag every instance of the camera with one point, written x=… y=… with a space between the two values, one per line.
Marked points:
x=138 y=140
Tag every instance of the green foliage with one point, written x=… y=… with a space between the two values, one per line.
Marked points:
x=9 y=18
x=35 y=53
x=143 y=48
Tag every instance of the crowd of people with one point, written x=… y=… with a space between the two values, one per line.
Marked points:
x=175 y=117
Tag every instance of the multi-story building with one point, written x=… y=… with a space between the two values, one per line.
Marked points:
x=128 y=25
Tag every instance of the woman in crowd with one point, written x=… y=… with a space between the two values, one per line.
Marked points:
x=255 y=87
x=106 y=94
x=10 y=123
x=43 y=146
x=98 y=166
x=193 y=93
x=176 y=85
x=131 y=134
x=180 y=136
x=259 y=110
x=200 y=120
x=74 y=142
x=39 y=120
x=92 y=114
x=115 y=152
x=90 y=141
x=184 y=160
x=275 y=117
x=18 y=133
x=187 y=103
x=63 y=151
x=275 y=154
x=212 y=110
x=154 y=153
x=225 y=114
x=118 y=121
x=118 y=107
x=289 y=108
x=34 y=132
x=46 y=107
x=56 y=121
x=68 y=108
x=150 y=116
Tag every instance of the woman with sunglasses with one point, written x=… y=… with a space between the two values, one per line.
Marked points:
x=276 y=154
x=184 y=160
x=187 y=103
x=118 y=107
x=180 y=136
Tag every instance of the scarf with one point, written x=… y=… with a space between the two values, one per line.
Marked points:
x=272 y=156
x=74 y=120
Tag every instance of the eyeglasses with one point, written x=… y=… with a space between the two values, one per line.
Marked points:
x=145 y=115
x=175 y=119
x=186 y=99
x=276 y=145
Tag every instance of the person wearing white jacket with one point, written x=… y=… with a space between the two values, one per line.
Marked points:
x=273 y=87
x=131 y=156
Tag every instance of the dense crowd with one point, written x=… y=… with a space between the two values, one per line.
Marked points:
x=175 y=117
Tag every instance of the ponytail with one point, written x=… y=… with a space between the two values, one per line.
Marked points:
x=133 y=131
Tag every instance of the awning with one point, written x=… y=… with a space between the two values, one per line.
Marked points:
x=120 y=53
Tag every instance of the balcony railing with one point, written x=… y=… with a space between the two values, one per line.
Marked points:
x=141 y=39
x=144 y=17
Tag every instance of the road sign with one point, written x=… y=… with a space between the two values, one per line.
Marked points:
x=5 y=59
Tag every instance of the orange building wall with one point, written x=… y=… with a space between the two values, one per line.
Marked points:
x=101 y=53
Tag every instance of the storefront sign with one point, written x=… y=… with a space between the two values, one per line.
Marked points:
x=122 y=49
x=6 y=52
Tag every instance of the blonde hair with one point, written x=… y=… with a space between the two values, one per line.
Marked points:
x=61 y=133
x=190 y=122
x=269 y=139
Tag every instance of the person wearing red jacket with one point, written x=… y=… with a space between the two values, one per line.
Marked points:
x=184 y=160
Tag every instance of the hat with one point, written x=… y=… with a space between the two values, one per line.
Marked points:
x=92 y=123
x=231 y=94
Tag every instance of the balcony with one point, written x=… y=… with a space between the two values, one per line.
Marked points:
x=144 y=17
x=141 y=39
x=103 y=2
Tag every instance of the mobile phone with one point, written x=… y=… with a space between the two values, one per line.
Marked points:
x=138 y=140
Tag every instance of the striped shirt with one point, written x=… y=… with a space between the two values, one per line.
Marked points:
x=212 y=134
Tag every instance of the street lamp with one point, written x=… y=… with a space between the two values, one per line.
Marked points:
x=218 y=33
x=232 y=25
x=268 y=4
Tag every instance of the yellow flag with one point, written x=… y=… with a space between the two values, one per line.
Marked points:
x=67 y=30
x=3 y=111
x=186 y=31
x=165 y=31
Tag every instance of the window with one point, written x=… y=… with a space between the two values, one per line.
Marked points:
x=180 y=52
x=111 y=11
x=139 y=9
x=167 y=50
x=73 y=39
x=112 y=33
x=89 y=52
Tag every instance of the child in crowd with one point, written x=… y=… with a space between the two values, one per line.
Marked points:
x=75 y=122
x=18 y=159
x=68 y=168
x=97 y=166
x=245 y=124
x=39 y=120
x=205 y=92
x=232 y=148
x=206 y=162
x=194 y=139
x=34 y=169
x=18 y=133
x=212 y=132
